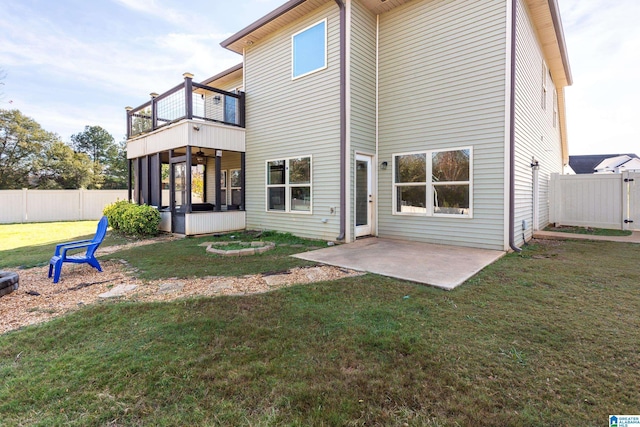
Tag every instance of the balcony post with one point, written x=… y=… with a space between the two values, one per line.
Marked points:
x=242 y=99
x=129 y=120
x=188 y=178
x=242 y=179
x=218 y=178
x=188 y=95
x=154 y=111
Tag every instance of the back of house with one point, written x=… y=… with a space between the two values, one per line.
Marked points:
x=425 y=120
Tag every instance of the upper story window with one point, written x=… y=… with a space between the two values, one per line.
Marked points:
x=309 y=50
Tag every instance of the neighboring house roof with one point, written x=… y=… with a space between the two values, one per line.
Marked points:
x=589 y=163
x=632 y=165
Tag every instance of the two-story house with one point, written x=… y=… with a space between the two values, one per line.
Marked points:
x=429 y=120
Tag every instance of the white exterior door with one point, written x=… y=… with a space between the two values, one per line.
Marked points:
x=364 y=195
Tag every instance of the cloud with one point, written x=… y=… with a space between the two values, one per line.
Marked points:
x=603 y=39
x=157 y=10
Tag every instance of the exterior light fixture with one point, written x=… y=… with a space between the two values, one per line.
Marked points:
x=384 y=165
x=200 y=158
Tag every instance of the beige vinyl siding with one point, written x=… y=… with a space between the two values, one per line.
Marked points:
x=363 y=91
x=535 y=135
x=442 y=86
x=289 y=118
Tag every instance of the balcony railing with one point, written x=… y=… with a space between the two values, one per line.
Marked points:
x=188 y=100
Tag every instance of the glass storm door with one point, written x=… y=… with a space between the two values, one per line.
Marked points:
x=364 y=196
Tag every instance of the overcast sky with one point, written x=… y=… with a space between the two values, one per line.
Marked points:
x=71 y=63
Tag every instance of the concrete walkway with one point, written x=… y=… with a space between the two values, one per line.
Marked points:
x=559 y=235
x=442 y=266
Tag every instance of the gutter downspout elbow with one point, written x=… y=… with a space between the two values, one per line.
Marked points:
x=512 y=131
x=343 y=121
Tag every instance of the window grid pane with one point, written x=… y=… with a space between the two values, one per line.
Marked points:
x=300 y=170
x=275 y=173
x=411 y=199
x=450 y=166
x=300 y=198
x=276 y=198
x=451 y=199
x=411 y=168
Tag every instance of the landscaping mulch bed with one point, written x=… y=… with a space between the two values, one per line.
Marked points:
x=39 y=299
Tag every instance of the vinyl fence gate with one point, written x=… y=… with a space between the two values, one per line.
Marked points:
x=596 y=200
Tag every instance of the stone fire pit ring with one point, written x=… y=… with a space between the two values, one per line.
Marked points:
x=8 y=282
x=251 y=248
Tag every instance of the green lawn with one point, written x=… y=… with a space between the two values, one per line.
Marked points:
x=186 y=258
x=32 y=244
x=546 y=337
x=589 y=230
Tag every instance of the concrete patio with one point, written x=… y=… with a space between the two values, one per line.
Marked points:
x=442 y=266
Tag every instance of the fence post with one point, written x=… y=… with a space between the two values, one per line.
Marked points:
x=554 y=188
x=624 y=188
x=25 y=214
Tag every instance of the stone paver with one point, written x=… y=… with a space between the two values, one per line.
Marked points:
x=167 y=288
x=118 y=291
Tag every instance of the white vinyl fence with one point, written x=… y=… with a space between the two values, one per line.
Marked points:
x=55 y=205
x=596 y=200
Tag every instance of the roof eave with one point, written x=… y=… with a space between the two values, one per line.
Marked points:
x=557 y=25
x=231 y=43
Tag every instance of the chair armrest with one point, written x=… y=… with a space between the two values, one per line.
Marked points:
x=66 y=248
x=61 y=245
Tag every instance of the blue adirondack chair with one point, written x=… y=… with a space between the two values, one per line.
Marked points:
x=60 y=257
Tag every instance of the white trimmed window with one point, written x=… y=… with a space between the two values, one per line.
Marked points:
x=289 y=185
x=309 y=50
x=444 y=177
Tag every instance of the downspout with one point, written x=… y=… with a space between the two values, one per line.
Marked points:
x=512 y=132
x=343 y=121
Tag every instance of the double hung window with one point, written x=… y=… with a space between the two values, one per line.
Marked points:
x=289 y=185
x=433 y=183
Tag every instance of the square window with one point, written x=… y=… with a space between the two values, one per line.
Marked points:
x=309 y=50
x=289 y=185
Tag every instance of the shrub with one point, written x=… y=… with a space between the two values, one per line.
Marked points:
x=114 y=213
x=132 y=219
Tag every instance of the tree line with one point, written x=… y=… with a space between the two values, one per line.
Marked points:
x=31 y=157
